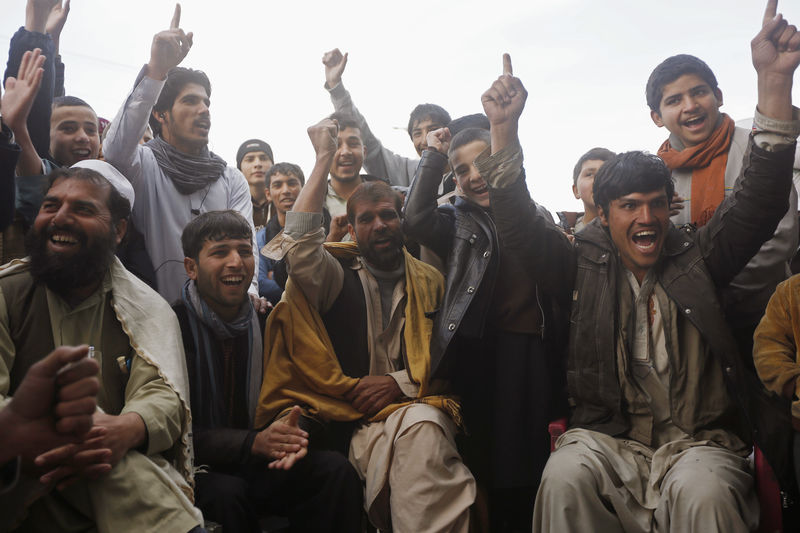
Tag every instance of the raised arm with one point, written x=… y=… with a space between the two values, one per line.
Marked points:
x=523 y=229
x=380 y=161
x=318 y=274
x=121 y=146
x=34 y=35
x=749 y=216
x=422 y=221
x=15 y=107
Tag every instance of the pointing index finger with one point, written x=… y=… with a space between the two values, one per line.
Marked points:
x=176 y=18
x=770 y=11
x=507 y=64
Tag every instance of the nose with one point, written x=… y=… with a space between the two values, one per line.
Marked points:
x=81 y=136
x=690 y=103
x=234 y=260
x=62 y=216
x=646 y=215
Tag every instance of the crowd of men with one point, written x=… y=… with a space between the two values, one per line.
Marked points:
x=382 y=344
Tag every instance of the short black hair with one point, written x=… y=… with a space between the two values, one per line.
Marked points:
x=118 y=205
x=631 y=172
x=595 y=154
x=432 y=111
x=213 y=226
x=70 y=101
x=177 y=79
x=467 y=136
x=345 y=120
x=670 y=70
x=372 y=191
x=287 y=169
x=476 y=120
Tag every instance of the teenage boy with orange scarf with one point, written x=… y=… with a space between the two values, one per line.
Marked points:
x=705 y=151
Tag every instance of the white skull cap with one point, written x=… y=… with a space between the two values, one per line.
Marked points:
x=110 y=173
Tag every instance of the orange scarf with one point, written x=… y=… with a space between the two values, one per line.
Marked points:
x=707 y=162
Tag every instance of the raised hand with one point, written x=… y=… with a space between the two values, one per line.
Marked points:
x=439 y=140
x=323 y=137
x=169 y=48
x=334 y=63
x=339 y=226
x=37 y=13
x=56 y=20
x=21 y=91
x=776 y=48
x=504 y=101
x=776 y=55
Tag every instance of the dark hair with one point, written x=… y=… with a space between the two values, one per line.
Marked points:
x=118 y=205
x=177 y=79
x=345 y=120
x=477 y=120
x=70 y=101
x=432 y=111
x=287 y=169
x=670 y=70
x=631 y=172
x=595 y=154
x=213 y=226
x=372 y=191
x=467 y=136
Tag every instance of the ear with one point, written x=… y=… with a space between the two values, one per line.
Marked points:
x=160 y=116
x=352 y=231
x=575 y=192
x=191 y=268
x=656 y=117
x=601 y=214
x=121 y=230
x=267 y=195
x=718 y=94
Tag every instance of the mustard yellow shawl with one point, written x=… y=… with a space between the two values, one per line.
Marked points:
x=301 y=368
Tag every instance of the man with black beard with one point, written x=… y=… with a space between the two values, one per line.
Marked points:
x=72 y=290
x=350 y=342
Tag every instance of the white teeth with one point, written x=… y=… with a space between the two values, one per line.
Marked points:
x=645 y=234
x=232 y=279
x=64 y=238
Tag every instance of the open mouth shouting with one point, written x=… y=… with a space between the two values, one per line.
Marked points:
x=645 y=241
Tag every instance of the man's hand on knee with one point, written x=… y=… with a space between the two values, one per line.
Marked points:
x=373 y=393
x=124 y=432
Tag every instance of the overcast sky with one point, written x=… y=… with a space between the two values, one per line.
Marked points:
x=584 y=63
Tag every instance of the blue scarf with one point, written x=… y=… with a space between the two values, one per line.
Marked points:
x=207 y=330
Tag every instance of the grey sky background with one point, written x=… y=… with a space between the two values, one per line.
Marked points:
x=584 y=63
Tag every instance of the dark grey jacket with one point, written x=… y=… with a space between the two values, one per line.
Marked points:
x=466 y=239
x=695 y=266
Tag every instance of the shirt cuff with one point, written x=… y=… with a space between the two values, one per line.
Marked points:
x=775 y=135
x=299 y=223
x=502 y=169
x=337 y=91
x=407 y=387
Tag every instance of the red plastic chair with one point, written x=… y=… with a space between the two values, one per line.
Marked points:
x=769 y=493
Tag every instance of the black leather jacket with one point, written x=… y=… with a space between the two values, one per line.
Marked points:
x=465 y=236
x=695 y=265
